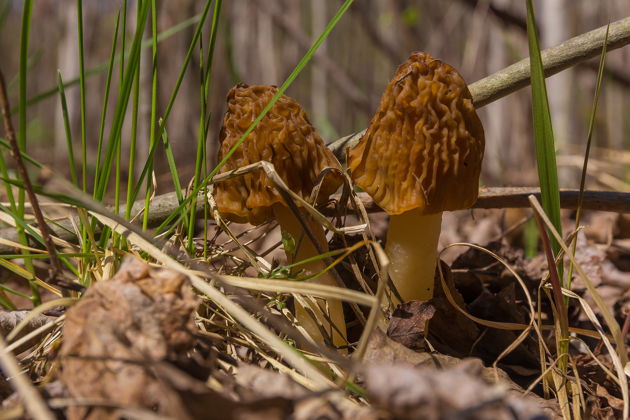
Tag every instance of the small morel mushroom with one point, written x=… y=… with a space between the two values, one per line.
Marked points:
x=421 y=155
x=285 y=138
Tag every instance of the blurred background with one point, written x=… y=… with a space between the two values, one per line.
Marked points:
x=261 y=41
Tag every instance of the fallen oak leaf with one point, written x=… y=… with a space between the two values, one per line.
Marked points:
x=407 y=325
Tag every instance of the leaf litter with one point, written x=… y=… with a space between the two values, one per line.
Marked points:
x=144 y=343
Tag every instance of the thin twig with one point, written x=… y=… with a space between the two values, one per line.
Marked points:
x=507 y=18
x=489 y=198
x=54 y=270
x=516 y=197
x=555 y=59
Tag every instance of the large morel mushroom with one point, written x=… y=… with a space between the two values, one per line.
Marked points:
x=421 y=155
x=287 y=139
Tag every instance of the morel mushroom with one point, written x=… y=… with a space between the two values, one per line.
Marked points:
x=285 y=138
x=421 y=155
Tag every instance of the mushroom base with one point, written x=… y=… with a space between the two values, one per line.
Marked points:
x=305 y=249
x=411 y=246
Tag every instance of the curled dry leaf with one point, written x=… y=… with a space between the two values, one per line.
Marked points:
x=117 y=334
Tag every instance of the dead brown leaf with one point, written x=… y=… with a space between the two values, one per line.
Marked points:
x=117 y=334
x=423 y=385
x=408 y=322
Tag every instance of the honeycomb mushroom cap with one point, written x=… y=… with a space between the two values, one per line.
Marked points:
x=285 y=138
x=424 y=146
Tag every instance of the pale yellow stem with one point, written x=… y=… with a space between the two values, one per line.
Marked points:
x=289 y=223
x=411 y=246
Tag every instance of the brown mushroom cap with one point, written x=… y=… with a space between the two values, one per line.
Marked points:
x=424 y=146
x=285 y=138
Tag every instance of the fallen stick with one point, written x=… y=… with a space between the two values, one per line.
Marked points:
x=489 y=198
x=516 y=197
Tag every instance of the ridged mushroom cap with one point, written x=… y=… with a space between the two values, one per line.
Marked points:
x=424 y=146
x=285 y=138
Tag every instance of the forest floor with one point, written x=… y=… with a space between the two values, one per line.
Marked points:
x=144 y=345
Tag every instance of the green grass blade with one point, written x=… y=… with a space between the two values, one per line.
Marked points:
x=543 y=132
x=170 y=158
x=68 y=131
x=549 y=188
x=121 y=104
x=101 y=129
x=82 y=95
x=154 y=98
x=25 y=156
x=23 y=69
x=169 y=106
x=205 y=70
x=587 y=152
x=591 y=126
x=24 y=39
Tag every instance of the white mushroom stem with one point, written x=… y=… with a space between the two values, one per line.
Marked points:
x=411 y=246
x=289 y=223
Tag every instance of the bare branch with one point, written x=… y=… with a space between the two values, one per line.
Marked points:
x=517 y=76
x=555 y=59
x=517 y=197
x=489 y=198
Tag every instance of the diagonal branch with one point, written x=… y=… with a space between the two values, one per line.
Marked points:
x=508 y=18
x=517 y=76
x=555 y=59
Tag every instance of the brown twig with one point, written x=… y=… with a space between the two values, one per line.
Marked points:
x=555 y=59
x=489 y=198
x=516 y=197
x=54 y=270
x=507 y=18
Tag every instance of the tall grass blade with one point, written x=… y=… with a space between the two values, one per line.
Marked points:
x=589 y=138
x=122 y=103
x=543 y=132
x=21 y=139
x=101 y=130
x=550 y=195
x=170 y=158
x=68 y=130
x=154 y=98
x=205 y=72
x=82 y=95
